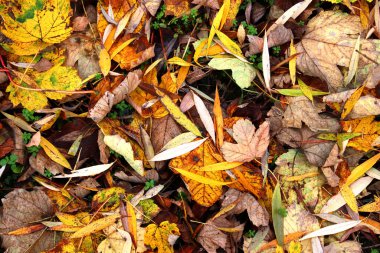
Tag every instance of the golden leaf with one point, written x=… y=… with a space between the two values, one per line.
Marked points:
x=96 y=226
x=104 y=61
x=350 y=103
x=37 y=25
x=349 y=197
x=218 y=21
x=371 y=207
x=361 y=169
x=368 y=129
x=158 y=237
x=107 y=199
x=53 y=153
x=206 y=154
x=292 y=62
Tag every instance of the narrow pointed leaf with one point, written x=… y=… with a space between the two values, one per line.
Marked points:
x=177 y=151
x=201 y=179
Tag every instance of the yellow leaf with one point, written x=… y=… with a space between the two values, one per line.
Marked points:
x=120 y=146
x=306 y=90
x=349 y=197
x=105 y=61
x=179 y=116
x=279 y=249
x=218 y=120
x=120 y=47
x=205 y=154
x=351 y=101
x=152 y=66
x=368 y=130
x=19 y=122
x=295 y=247
x=292 y=62
x=371 y=207
x=218 y=21
x=53 y=153
x=158 y=237
x=107 y=199
x=230 y=45
x=96 y=226
x=46 y=22
x=198 y=51
x=220 y=166
x=361 y=169
x=201 y=179
x=78 y=220
x=179 y=61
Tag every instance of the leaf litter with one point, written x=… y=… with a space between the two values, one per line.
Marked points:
x=181 y=126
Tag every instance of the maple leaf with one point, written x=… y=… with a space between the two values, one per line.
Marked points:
x=367 y=127
x=329 y=42
x=250 y=143
x=205 y=154
x=159 y=236
x=36 y=26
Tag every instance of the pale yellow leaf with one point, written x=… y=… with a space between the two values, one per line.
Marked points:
x=306 y=90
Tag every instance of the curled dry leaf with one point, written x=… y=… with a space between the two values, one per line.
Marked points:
x=251 y=144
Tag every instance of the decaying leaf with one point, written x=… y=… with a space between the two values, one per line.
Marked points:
x=251 y=144
x=329 y=42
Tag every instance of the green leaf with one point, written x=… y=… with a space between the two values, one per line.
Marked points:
x=277 y=215
x=243 y=73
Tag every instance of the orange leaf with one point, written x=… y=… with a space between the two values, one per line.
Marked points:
x=27 y=230
x=350 y=103
x=218 y=119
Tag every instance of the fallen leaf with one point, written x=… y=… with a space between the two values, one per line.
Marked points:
x=328 y=44
x=204 y=155
x=332 y=229
x=96 y=226
x=53 y=153
x=178 y=150
x=86 y=172
x=349 y=197
x=117 y=143
x=337 y=201
x=368 y=129
x=219 y=20
x=371 y=207
x=340 y=247
x=205 y=116
x=20 y=208
x=243 y=73
x=351 y=101
x=179 y=140
x=266 y=62
x=250 y=143
x=158 y=236
x=300 y=109
x=278 y=218
x=32 y=33
x=104 y=61
x=361 y=169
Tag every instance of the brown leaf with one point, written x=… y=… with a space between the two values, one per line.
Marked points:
x=246 y=202
x=211 y=238
x=342 y=247
x=329 y=42
x=176 y=8
x=80 y=23
x=163 y=130
x=250 y=143
x=42 y=162
x=110 y=96
x=301 y=109
x=277 y=37
x=20 y=208
x=213 y=4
